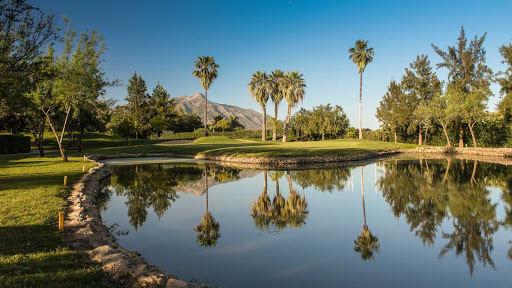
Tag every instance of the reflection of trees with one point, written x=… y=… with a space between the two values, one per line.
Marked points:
x=366 y=243
x=208 y=229
x=321 y=179
x=280 y=212
x=425 y=192
x=147 y=186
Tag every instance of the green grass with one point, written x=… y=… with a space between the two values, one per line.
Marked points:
x=217 y=146
x=32 y=251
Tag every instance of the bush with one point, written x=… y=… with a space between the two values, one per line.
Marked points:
x=196 y=134
x=10 y=144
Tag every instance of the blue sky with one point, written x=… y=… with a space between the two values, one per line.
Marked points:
x=161 y=39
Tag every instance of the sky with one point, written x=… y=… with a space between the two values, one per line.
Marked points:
x=161 y=39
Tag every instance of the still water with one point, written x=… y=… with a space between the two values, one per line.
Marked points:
x=393 y=223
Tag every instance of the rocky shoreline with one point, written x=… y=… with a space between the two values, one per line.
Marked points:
x=86 y=231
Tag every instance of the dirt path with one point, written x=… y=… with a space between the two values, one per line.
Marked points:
x=246 y=140
x=177 y=142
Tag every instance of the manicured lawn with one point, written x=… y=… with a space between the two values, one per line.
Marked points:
x=225 y=146
x=32 y=251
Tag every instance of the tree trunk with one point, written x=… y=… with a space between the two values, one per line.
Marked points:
x=461 y=137
x=448 y=144
x=471 y=126
x=420 y=140
x=277 y=187
x=265 y=179
x=395 y=137
x=39 y=138
x=61 y=148
x=323 y=136
x=264 y=124
x=426 y=133
x=274 y=134
x=360 y=104
x=80 y=139
x=473 y=180
x=285 y=133
x=362 y=194
x=447 y=170
x=206 y=186
x=205 y=112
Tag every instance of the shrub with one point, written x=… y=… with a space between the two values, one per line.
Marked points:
x=10 y=144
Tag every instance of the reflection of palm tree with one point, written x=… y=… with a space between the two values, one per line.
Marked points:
x=279 y=212
x=366 y=244
x=208 y=230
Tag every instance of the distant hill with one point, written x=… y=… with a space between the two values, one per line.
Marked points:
x=195 y=104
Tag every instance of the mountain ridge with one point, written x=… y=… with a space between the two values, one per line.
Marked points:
x=252 y=120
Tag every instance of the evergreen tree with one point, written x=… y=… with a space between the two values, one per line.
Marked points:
x=505 y=105
x=137 y=99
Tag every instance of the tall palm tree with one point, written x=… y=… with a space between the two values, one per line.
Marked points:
x=294 y=89
x=275 y=79
x=258 y=89
x=361 y=55
x=207 y=73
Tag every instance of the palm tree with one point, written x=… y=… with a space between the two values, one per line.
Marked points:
x=361 y=54
x=208 y=229
x=275 y=79
x=207 y=73
x=258 y=89
x=366 y=243
x=294 y=89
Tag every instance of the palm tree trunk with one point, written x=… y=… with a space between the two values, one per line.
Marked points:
x=471 y=126
x=292 y=192
x=420 y=140
x=360 y=104
x=395 y=137
x=277 y=187
x=287 y=122
x=206 y=187
x=205 y=112
x=362 y=194
x=264 y=124
x=265 y=179
x=274 y=134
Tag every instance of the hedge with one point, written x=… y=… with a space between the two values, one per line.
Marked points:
x=10 y=144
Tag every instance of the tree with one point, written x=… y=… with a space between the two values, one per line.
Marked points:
x=421 y=84
x=361 y=55
x=259 y=91
x=162 y=110
x=25 y=30
x=389 y=112
x=222 y=124
x=294 y=90
x=207 y=73
x=121 y=123
x=234 y=123
x=137 y=98
x=505 y=105
x=469 y=79
x=276 y=93
x=208 y=231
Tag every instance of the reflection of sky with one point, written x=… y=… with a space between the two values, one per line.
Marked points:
x=318 y=255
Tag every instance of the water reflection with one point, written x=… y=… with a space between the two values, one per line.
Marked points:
x=208 y=231
x=366 y=243
x=279 y=213
x=427 y=192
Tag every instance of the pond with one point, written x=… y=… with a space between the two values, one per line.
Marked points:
x=394 y=223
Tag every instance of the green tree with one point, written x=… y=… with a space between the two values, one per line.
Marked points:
x=469 y=80
x=390 y=111
x=294 y=87
x=223 y=124
x=361 y=55
x=162 y=110
x=421 y=84
x=122 y=123
x=259 y=91
x=234 y=123
x=208 y=231
x=138 y=98
x=276 y=93
x=505 y=81
x=207 y=73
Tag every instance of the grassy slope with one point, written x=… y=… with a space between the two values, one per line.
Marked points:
x=224 y=146
x=32 y=252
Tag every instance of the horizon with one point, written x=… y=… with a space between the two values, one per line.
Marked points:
x=312 y=38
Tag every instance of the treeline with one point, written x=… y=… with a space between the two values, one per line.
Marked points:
x=437 y=112
x=321 y=122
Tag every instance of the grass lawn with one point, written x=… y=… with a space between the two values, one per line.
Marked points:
x=32 y=251
x=224 y=146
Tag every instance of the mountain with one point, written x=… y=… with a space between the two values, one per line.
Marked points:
x=195 y=104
